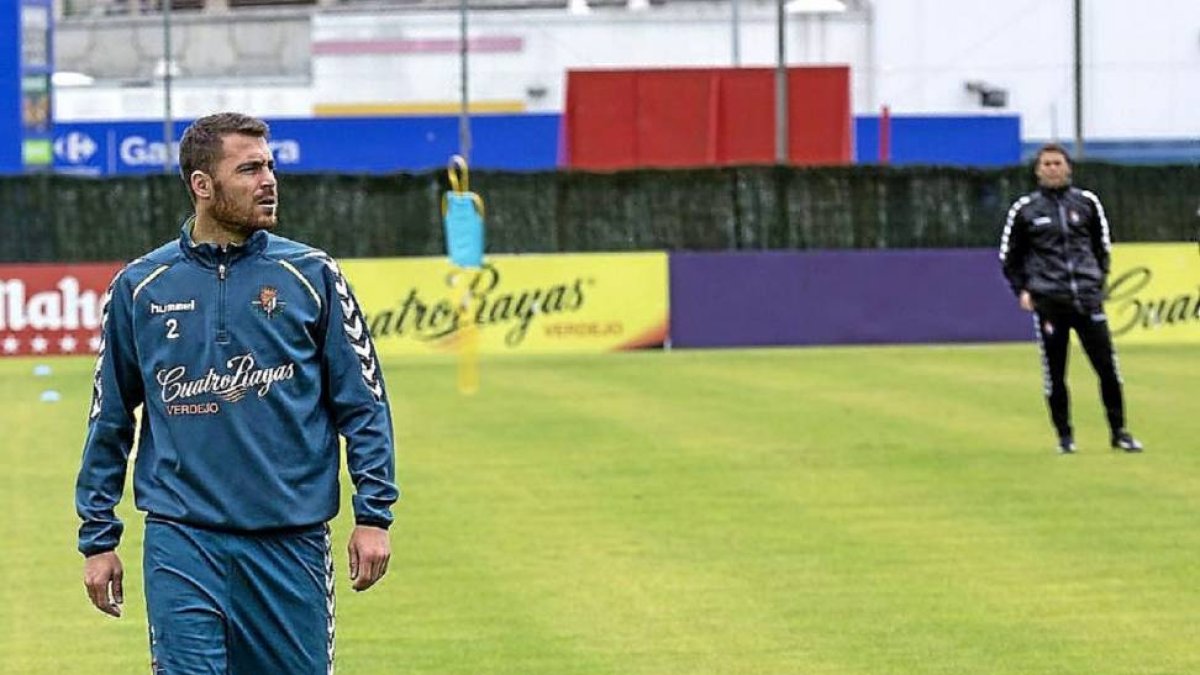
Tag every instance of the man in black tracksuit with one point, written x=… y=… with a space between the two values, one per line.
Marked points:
x=1055 y=254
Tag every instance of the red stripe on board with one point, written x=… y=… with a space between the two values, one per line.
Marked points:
x=417 y=46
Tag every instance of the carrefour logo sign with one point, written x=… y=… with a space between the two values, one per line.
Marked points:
x=140 y=151
x=137 y=151
x=75 y=148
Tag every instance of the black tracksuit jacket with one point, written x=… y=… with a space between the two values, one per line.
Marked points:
x=1056 y=246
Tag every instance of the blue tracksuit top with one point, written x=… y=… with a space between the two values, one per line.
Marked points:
x=248 y=362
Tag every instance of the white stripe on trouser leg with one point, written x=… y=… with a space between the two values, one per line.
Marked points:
x=1047 y=383
x=1100 y=318
x=330 y=613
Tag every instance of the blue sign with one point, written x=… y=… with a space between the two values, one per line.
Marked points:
x=37 y=68
x=10 y=88
x=946 y=140
x=350 y=145
x=26 y=67
x=527 y=142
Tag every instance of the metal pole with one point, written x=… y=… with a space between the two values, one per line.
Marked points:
x=885 y=135
x=464 y=120
x=1078 y=79
x=736 y=33
x=781 y=89
x=869 y=8
x=168 y=121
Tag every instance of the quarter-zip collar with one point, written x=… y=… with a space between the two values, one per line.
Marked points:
x=211 y=255
x=1056 y=192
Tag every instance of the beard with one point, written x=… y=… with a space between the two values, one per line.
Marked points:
x=243 y=217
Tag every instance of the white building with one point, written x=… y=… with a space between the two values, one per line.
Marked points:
x=1140 y=61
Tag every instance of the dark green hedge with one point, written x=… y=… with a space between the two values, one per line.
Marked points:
x=62 y=218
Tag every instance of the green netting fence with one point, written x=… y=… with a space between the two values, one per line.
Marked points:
x=45 y=218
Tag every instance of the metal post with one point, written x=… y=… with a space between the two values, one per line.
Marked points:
x=1078 y=79
x=464 y=120
x=735 y=29
x=781 y=88
x=168 y=121
x=885 y=135
x=872 y=75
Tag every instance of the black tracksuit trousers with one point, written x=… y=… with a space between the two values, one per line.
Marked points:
x=1055 y=320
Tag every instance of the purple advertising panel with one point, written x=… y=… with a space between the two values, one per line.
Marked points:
x=842 y=297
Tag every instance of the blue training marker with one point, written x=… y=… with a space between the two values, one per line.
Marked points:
x=462 y=213
x=464 y=230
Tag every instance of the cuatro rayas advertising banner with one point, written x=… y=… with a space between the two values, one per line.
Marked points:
x=607 y=302
x=1154 y=293
x=519 y=303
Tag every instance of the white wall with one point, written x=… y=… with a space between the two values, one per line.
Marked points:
x=1142 y=75
x=188 y=101
x=1142 y=62
x=553 y=41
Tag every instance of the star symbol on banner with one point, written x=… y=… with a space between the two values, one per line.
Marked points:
x=94 y=343
x=39 y=344
x=67 y=343
x=11 y=345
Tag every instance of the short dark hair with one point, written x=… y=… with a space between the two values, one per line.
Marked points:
x=1052 y=147
x=200 y=147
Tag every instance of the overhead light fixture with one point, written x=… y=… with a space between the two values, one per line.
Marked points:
x=578 y=7
x=990 y=96
x=70 y=78
x=162 y=66
x=814 y=7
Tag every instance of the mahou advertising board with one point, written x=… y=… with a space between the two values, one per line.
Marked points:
x=52 y=309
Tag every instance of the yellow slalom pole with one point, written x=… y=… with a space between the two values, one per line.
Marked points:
x=468 y=334
x=462 y=280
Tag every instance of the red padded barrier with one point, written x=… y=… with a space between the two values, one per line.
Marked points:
x=618 y=119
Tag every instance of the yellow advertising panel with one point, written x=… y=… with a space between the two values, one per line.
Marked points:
x=1154 y=293
x=520 y=303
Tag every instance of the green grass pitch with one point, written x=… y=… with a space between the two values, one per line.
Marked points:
x=851 y=510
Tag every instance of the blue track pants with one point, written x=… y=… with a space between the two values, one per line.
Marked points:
x=239 y=603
